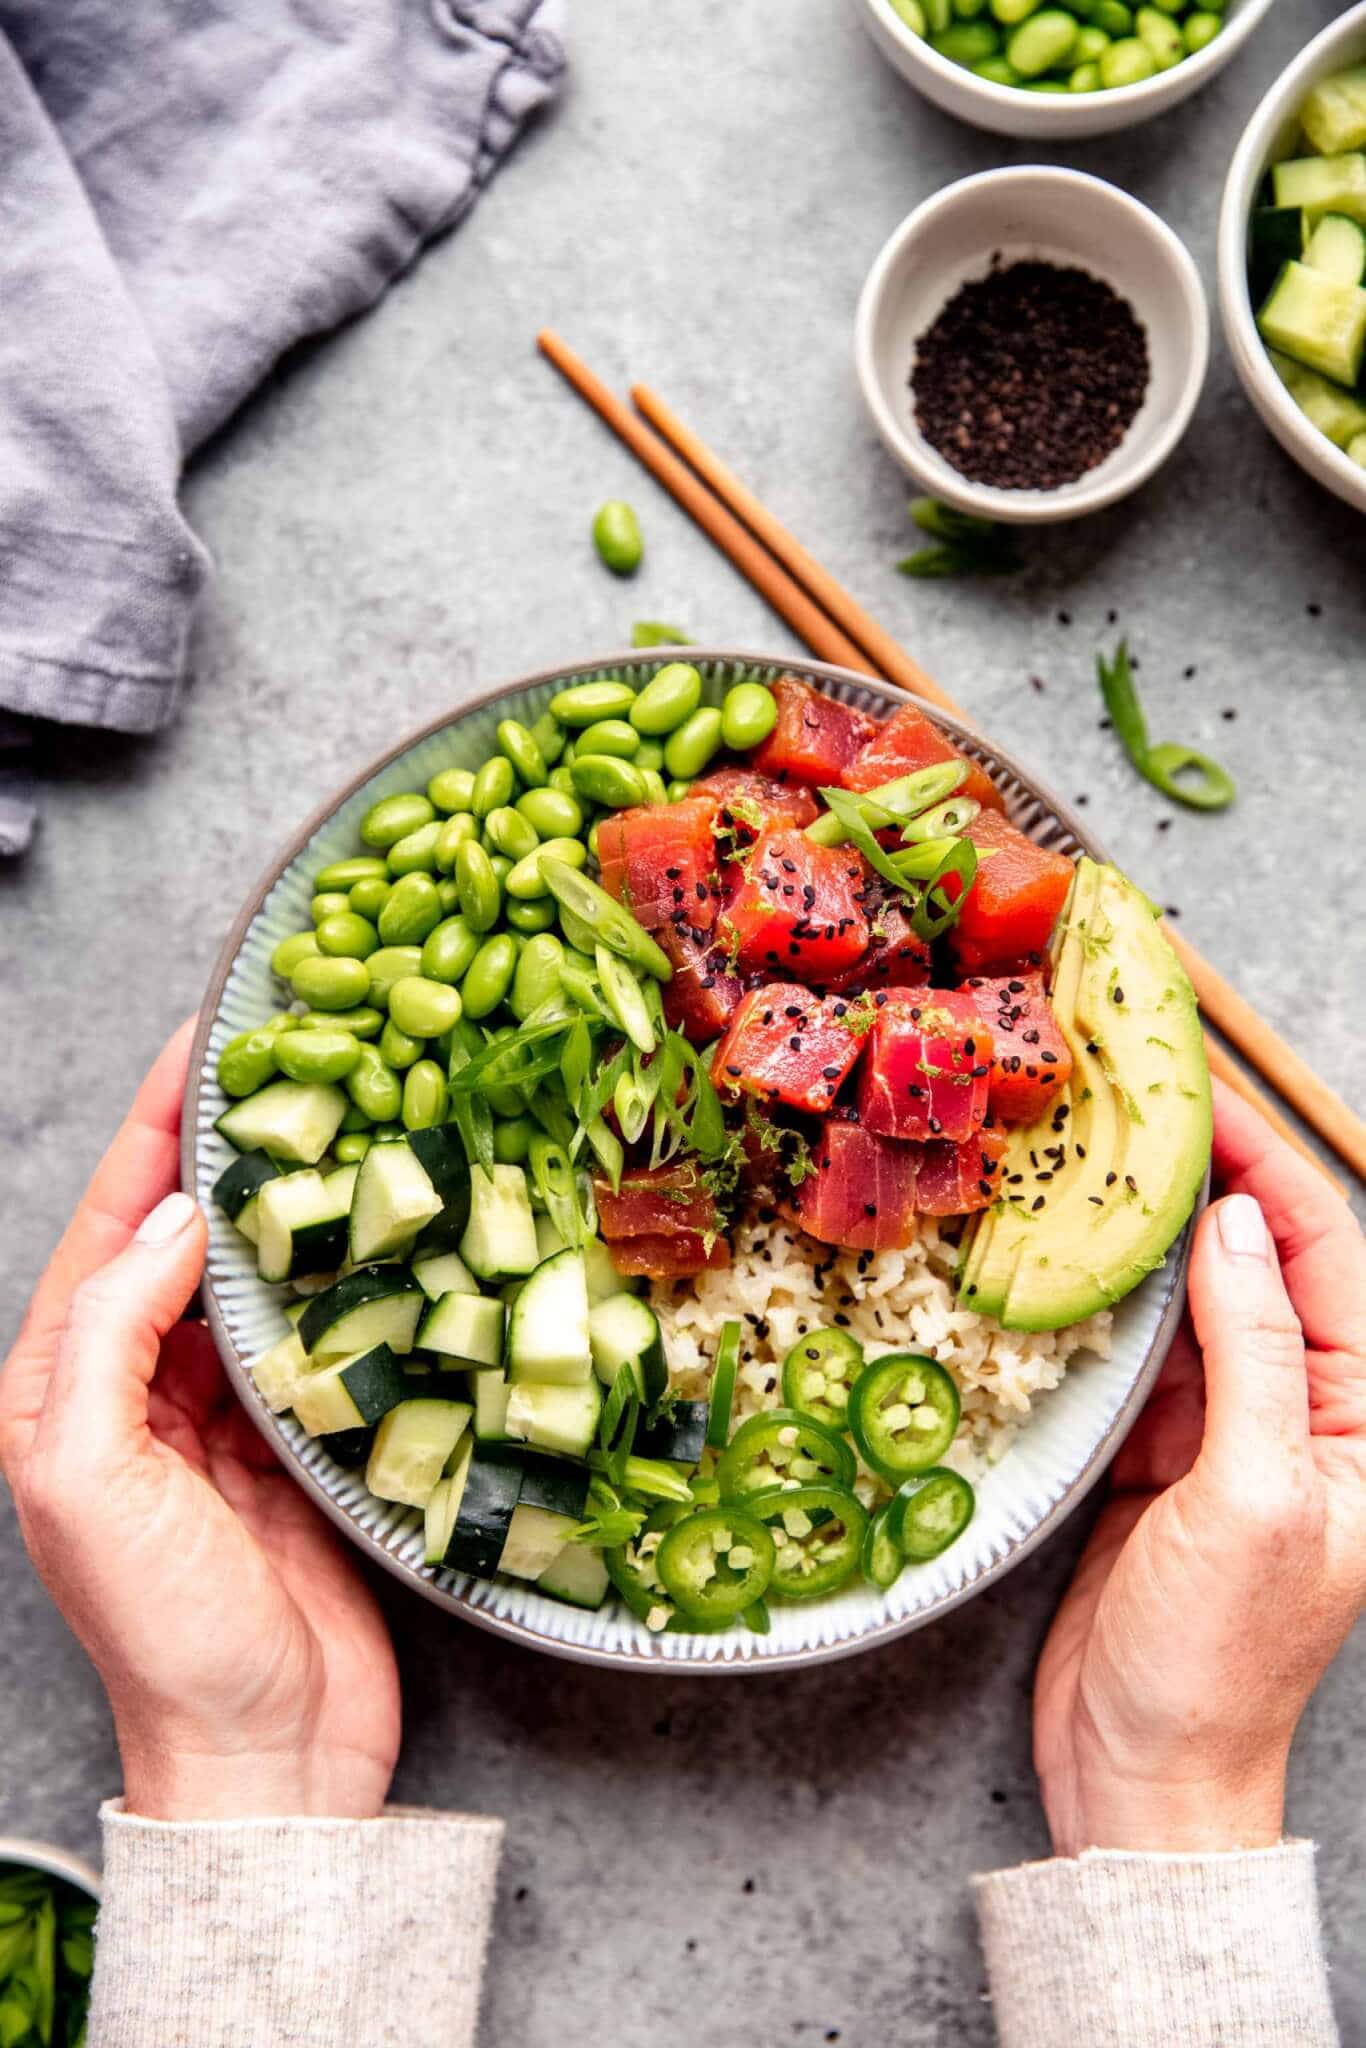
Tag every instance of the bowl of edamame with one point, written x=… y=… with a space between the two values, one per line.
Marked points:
x=1059 y=67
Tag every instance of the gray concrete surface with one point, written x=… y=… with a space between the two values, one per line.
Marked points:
x=404 y=515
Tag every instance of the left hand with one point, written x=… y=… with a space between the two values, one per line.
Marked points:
x=247 y=1665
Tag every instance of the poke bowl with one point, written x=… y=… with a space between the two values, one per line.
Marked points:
x=681 y=1294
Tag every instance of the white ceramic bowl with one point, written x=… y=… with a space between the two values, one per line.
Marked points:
x=1268 y=135
x=1064 y=217
x=1007 y=110
x=1055 y=1461
x=52 y=1862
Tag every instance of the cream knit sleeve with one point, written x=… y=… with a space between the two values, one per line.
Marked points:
x=1152 y=1951
x=324 y=1932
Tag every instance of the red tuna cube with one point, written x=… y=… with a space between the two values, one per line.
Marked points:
x=909 y=741
x=659 y=860
x=669 y=1258
x=656 y=1200
x=786 y=1045
x=928 y=1066
x=815 y=738
x=703 y=995
x=862 y=1192
x=953 y=1180
x=895 y=958
x=1031 y=1060
x=798 y=909
x=1015 y=897
x=748 y=804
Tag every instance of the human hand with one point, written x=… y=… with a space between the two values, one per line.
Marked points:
x=1229 y=1563
x=248 y=1668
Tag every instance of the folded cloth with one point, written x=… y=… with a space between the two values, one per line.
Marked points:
x=186 y=190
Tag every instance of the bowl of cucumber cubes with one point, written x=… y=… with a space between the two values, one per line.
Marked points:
x=1292 y=259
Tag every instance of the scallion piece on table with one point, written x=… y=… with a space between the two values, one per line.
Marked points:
x=1181 y=773
x=967 y=546
x=655 y=633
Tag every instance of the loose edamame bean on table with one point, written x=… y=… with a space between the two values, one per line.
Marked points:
x=748 y=716
x=617 y=537
x=667 y=700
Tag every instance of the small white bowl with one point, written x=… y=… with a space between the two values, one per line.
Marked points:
x=1062 y=217
x=1007 y=110
x=1268 y=134
x=74 y=1870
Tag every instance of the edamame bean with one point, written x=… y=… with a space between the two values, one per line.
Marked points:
x=344 y=874
x=464 y=825
x=285 y=1020
x=317 y=1055
x=912 y=13
x=374 y=1087
x=668 y=699
x=607 y=780
x=247 y=1061
x=394 y=817
x=687 y=751
x=1089 y=44
x=1042 y=43
x=1200 y=29
x=502 y=868
x=1127 y=62
x=998 y=71
x=617 y=537
x=1169 y=6
x=609 y=736
x=585 y=703
x=567 y=756
x=346 y=936
x=1010 y=13
x=678 y=789
x=422 y=1008
x=351 y=1147
x=1160 y=36
x=537 y=975
x=938 y=15
x=389 y=965
x=518 y=743
x=1046 y=85
x=551 y=814
x=655 y=792
x=511 y=833
x=526 y=882
x=416 y=852
x=354 y=1118
x=336 y=984
x=537 y=914
x=1113 y=16
x=424 y=1096
x=966 y=42
x=649 y=754
x=966 y=10
x=562 y=780
x=287 y=955
x=593 y=840
x=361 y=1023
x=369 y=897
x=328 y=904
x=397 y=1049
x=449 y=895
x=490 y=976
x=548 y=737
x=1086 y=78
x=748 y=715
x=512 y=1136
x=494 y=784
x=413 y=910
x=449 y=950
x=451 y=789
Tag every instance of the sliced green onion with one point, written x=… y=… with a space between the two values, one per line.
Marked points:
x=607 y=1146
x=756 y=1618
x=848 y=812
x=655 y=1479
x=554 y=1181
x=890 y=803
x=922 y=863
x=622 y=994
x=605 y=918
x=473 y=1118
x=654 y=633
x=945 y=821
x=937 y=910
x=1212 y=788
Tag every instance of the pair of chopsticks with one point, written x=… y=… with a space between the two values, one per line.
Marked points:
x=837 y=629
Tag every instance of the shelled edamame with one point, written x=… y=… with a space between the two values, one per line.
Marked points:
x=1078 y=46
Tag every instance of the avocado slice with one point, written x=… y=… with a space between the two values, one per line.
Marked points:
x=1079 y=1229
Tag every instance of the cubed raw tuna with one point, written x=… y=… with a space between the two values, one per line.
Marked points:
x=660 y=861
x=907 y=741
x=862 y=1192
x=786 y=1045
x=748 y=804
x=1031 y=1060
x=927 y=1066
x=1015 y=897
x=656 y=1200
x=669 y=1258
x=703 y=995
x=953 y=1180
x=798 y=909
x=895 y=957
x=815 y=738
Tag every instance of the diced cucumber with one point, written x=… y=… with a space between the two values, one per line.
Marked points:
x=677 y=1434
x=1337 y=247
x=484 y=1489
x=1317 y=321
x=464 y=1329
x=352 y=1393
x=373 y=1305
x=490 y=1391
x=1275 y=235
x=301 y=1223
x=293 y=1312
x=554 y=1418
x=534 y=1540
x=394 y=1198
x=438 y=1521
x=442 y=1154
x=1322 y=184
x=238 y=1185
x=560 y=1485
x=1334 y=114
x=603 y=1278
x=349 y=1447
x=548 y=1239
x=444 y=1273
x=292 y=1120
x=412 y=1445
x=1335 y=412
x=624 y=1330
x=548 y=1326
x=578 y=1576
x=278 y=1373
x=500 y=1238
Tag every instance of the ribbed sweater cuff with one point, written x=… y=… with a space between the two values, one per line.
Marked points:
x=325 y=1932
x=1153 y=1950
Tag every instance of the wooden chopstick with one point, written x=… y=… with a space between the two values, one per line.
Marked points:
x=825 y=633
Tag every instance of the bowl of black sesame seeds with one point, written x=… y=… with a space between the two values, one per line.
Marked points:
x=1031 y=343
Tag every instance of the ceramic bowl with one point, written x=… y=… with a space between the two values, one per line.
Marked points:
x=1062 y=217
x=1052 y=1465
x=1007 y=110
x=74 y=1870
x=1268 y=136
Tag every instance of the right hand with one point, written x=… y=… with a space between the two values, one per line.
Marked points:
x=1229 y=1563
x=247 y=1665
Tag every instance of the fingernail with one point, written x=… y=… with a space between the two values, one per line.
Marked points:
x=166 y=1221
x=1242 y=1228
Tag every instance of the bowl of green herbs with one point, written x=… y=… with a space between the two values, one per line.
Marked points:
x=48 y=1903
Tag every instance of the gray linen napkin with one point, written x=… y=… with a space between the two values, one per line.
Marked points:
x=187 y=188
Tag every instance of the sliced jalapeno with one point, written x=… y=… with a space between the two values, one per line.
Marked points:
x=929 y=1512
x=723 y=1386
x=778 y=1447
x=903 y=1413
x=818 y=1531
x=633 y=1571
x=818 y=1372
x=883 y=1559
x=715 y=1563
